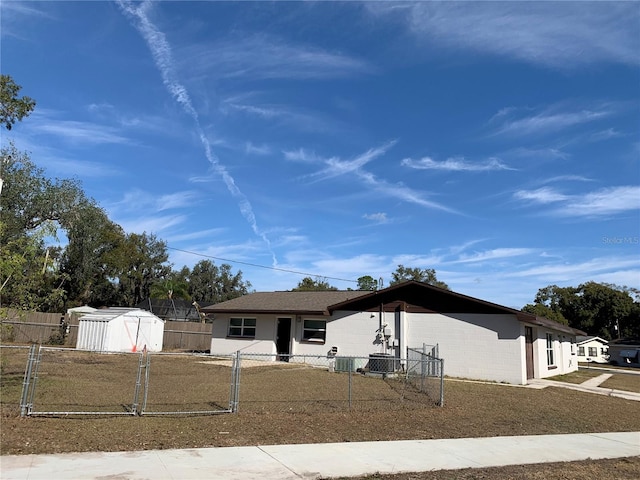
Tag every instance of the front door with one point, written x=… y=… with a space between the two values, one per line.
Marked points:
x=528 y=338
x=283 y=339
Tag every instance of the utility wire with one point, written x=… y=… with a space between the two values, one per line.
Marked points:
x=261 y=266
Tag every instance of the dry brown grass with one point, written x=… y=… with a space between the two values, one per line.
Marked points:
x=471 y=410
x=612 y=469
x=627 y=382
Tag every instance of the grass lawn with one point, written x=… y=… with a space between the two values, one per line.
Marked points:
x=618 y=381
x=628 y=382
x=271 y=415
x=577 y=377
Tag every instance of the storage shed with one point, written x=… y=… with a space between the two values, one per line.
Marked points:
x=119 y=329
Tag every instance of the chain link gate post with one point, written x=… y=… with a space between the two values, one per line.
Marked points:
x=136 y=394
x=234 y=399
x=26 y=381
x=350 y=368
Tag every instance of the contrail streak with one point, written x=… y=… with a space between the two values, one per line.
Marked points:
x=161 y=52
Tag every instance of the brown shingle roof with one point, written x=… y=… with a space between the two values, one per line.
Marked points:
x=418 y=293
x=315 y=303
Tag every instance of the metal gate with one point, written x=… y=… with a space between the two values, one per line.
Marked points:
x=63 y=381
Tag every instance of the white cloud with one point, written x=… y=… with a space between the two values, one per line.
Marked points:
x=337 y=167
x=163 y=57
x=283 y=114
x=301 y=155
x=578 y=272
x=252 y=149
x=607 y=201
x=560 y=35
x=541 y=195
x=208 y=233
x=494 y=254
x=567 y=178
x=80 y=132
x=549 y=121
x=260 y=56
x=604 y=135
x=537 y=153
x=379 y=217
x=455 y=165
x=149 y=223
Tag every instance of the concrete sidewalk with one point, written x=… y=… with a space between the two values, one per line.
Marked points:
x=311 y=461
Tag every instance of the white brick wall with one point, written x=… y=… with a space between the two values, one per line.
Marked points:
x=482 y=347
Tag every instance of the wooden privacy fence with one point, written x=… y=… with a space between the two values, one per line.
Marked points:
x=31 y=327
x=56 y=328
x=186 y=336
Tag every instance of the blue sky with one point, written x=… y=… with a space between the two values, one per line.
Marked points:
x=496 y=143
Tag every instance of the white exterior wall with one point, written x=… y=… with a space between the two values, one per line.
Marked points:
x=476 y=346
x=264 y=341
x=353 y=333
x=565 y=358
x=471 y=346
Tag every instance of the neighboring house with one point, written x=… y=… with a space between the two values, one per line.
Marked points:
x=625 y=351
x=119 y=329
x=477 y=339
x=592 y=349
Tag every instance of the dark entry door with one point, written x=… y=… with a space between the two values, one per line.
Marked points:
x=283 y=339
x=528 y=336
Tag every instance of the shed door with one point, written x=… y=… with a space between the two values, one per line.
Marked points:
x=528 y=336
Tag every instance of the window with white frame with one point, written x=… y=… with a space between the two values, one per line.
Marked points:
x=593 y=351
x=242 y=327
x=581 y=351
x=314 y=331
x=550 y=356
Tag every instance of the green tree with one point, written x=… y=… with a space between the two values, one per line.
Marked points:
x=427 y=275
x=170 y=288
x=29 y=277
x=141 y=261
x=12 y=107
x=30 y=199
x=367 y=282
x=33 y=208
x=596 y=308
x=308 y=284
x=209 y=283
x=541 y=310
x=89 y=258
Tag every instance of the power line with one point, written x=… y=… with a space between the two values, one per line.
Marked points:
x=261 y=266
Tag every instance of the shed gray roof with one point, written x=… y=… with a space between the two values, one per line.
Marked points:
x=315 y=303
x=106 y=314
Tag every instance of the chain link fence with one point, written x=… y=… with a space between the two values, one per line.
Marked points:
x=13 y=361
x=61 y=381
x=182 y=383
x=426 y=371
x=301 y=383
